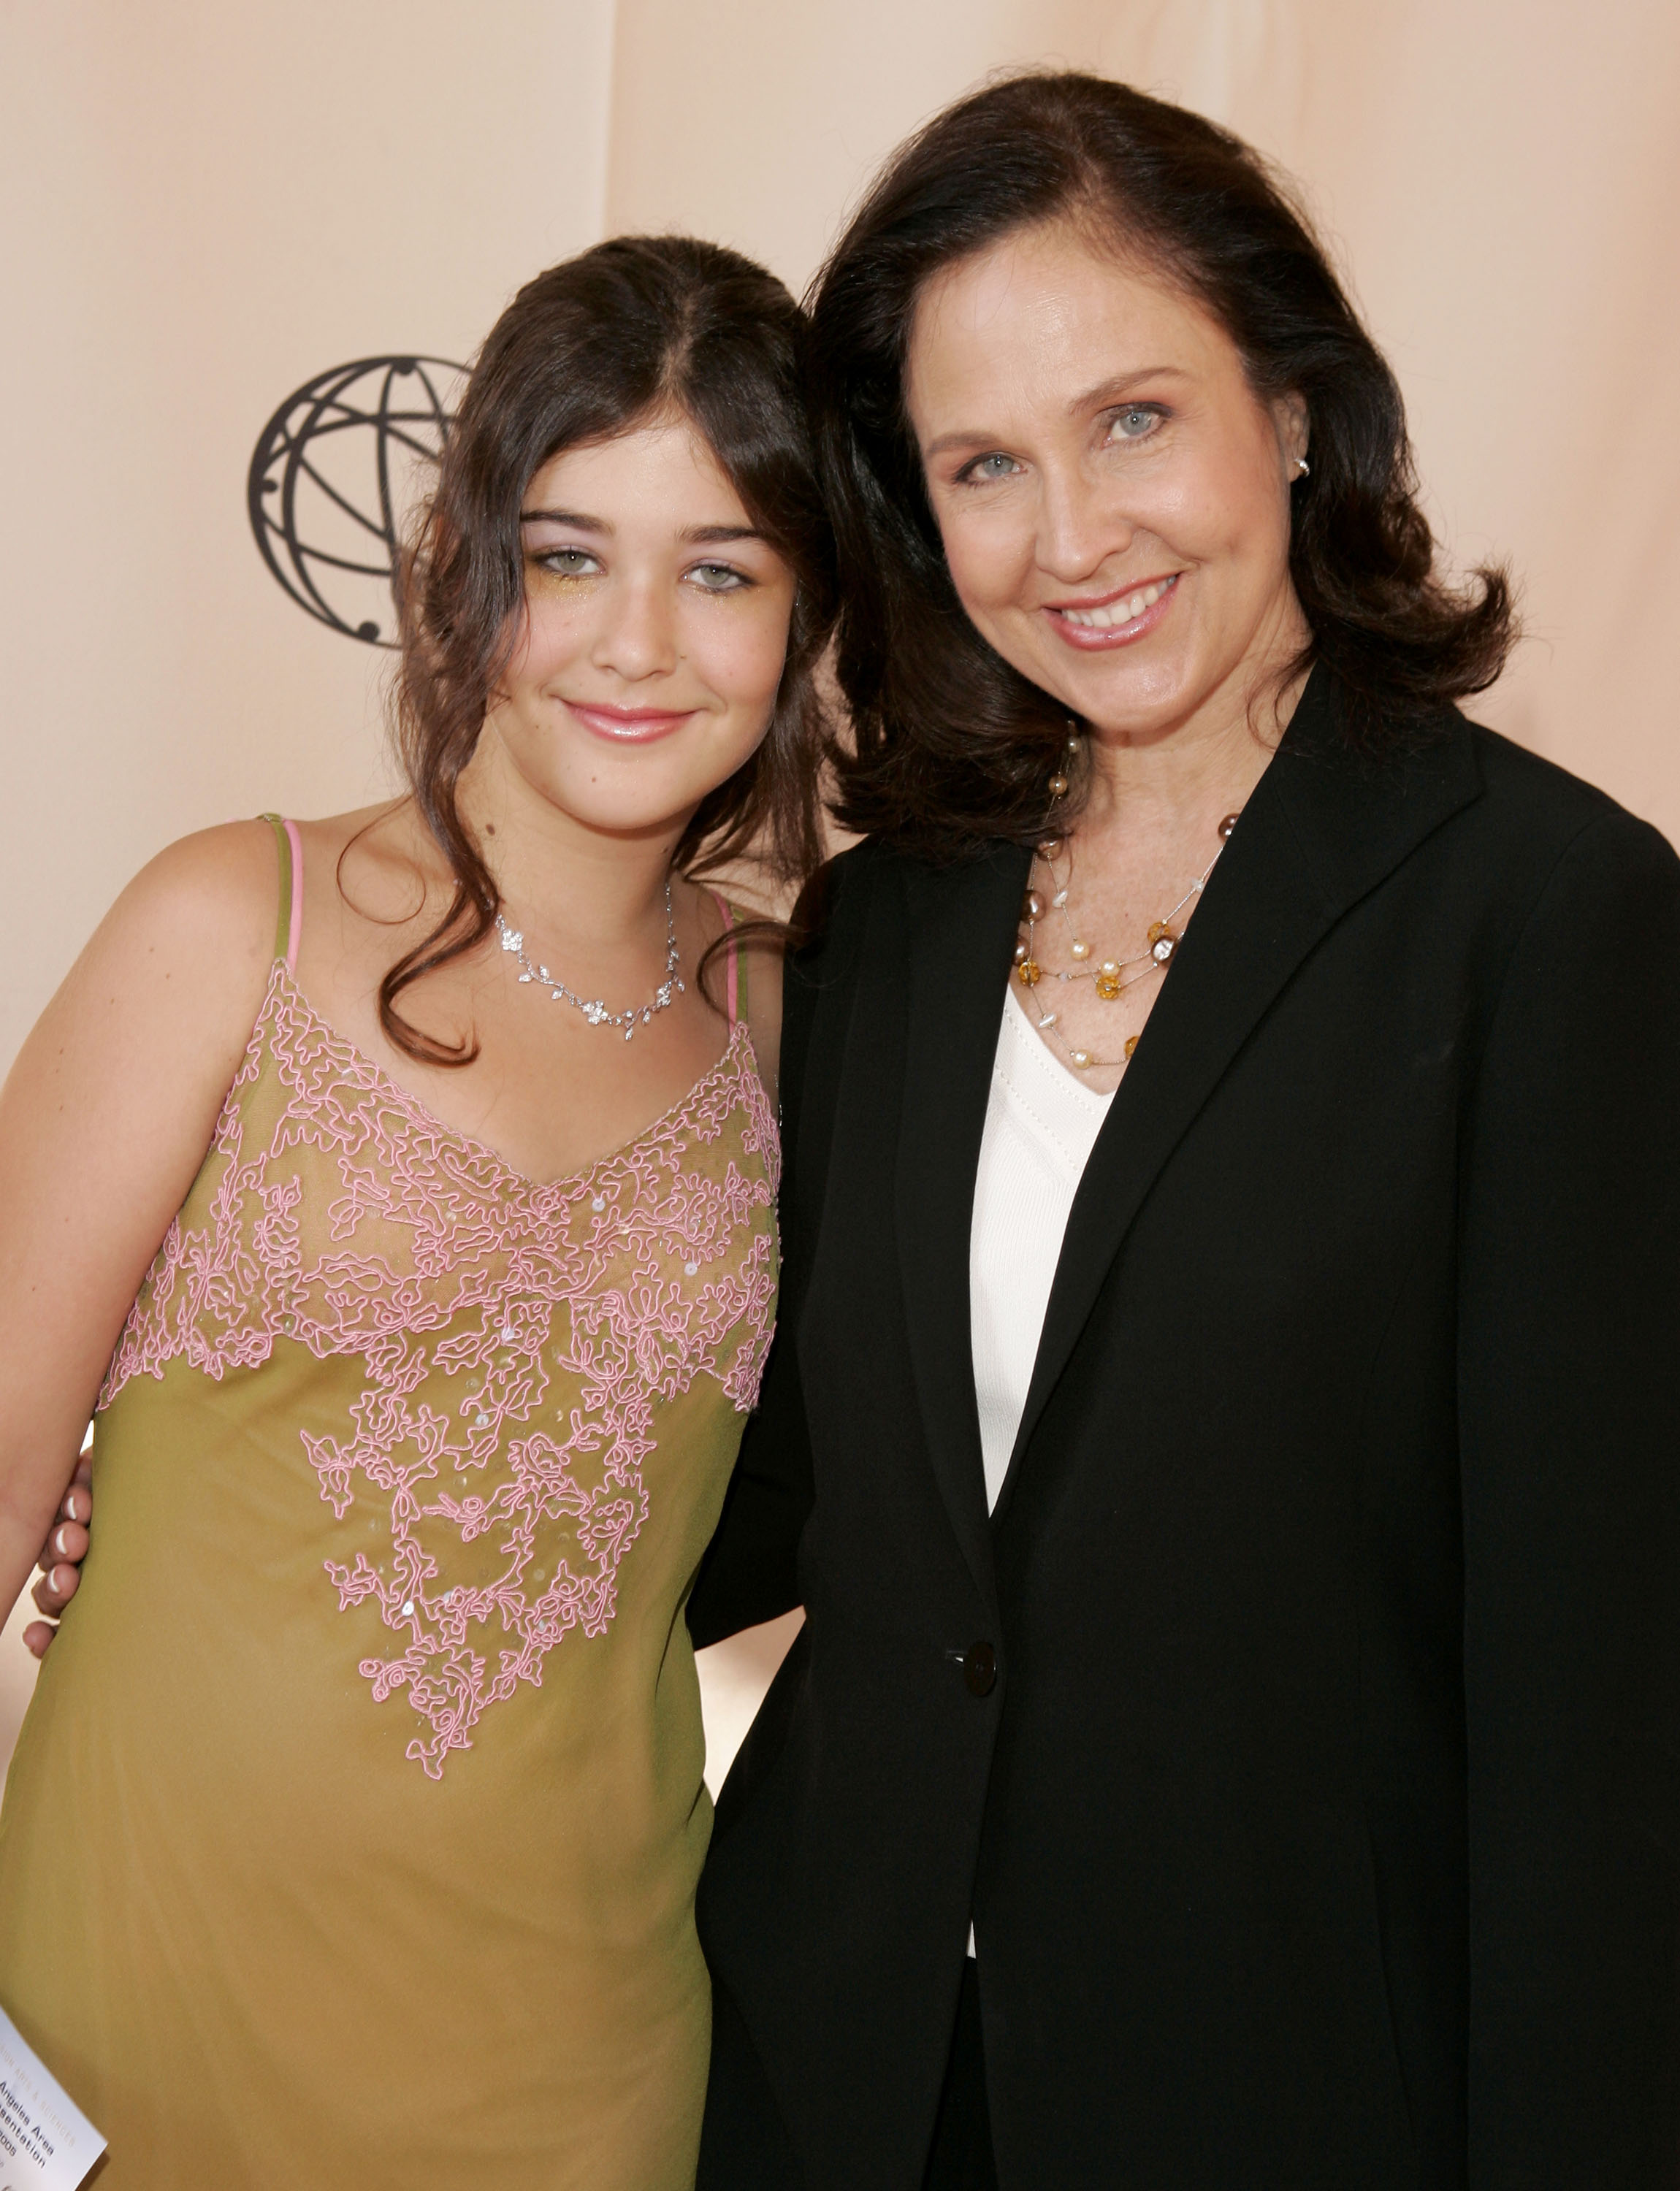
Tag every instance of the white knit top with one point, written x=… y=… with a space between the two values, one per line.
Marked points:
x=1041 y=1125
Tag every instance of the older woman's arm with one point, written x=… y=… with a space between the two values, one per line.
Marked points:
x=751 y=1569
x=1569 y=1383
x=750 y=1573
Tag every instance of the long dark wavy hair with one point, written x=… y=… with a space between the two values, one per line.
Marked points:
x=950 y=746
x=634 y=329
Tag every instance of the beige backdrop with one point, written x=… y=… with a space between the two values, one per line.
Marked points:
x=208 y=205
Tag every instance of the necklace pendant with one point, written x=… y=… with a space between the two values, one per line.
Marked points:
x=595 y=1011
x=1030 y=973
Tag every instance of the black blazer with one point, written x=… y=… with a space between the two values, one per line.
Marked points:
x=1320 y=1825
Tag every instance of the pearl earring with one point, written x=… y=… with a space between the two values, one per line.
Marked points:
x=1302 y=466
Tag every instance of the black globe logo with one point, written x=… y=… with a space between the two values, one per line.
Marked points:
x=330 y=477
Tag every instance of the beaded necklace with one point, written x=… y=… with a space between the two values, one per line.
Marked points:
x=1111 y=978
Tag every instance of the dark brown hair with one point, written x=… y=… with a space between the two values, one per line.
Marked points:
x=953 y=746
x=633 y=328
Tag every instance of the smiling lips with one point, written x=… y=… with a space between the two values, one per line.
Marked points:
x=636 y=726
x=1118 y=621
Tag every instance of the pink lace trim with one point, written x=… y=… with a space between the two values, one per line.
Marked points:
x=461 y=1285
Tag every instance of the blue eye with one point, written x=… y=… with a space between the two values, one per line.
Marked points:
x=1134 y=422
x=994 y=466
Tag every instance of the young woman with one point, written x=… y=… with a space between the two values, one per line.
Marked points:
x=1222 y=1427
x=375 y=1864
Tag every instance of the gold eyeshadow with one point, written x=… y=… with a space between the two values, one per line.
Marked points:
x=541 y=573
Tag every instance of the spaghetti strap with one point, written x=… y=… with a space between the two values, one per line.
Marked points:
x=289 y=922
x=737 y=991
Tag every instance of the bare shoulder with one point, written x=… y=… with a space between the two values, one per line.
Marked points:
x=106 y=1115
x=196 y=927
x=378 y=867
x=154 y=1016
x=386 y=836
x=119 y=1082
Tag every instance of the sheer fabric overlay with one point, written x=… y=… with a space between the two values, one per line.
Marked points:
x=515 y=1335
x=352 y=1836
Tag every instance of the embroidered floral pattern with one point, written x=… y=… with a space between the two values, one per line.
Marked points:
x=515 y=1337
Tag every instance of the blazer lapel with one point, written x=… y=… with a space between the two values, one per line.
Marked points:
x=963 y=924
x=1322 y=828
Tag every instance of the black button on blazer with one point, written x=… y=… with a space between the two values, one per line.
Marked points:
x=1317 y=1814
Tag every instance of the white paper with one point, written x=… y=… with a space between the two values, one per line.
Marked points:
x=46 y=2141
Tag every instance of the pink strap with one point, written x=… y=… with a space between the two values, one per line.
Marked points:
x=294 y=933
x=729 y=927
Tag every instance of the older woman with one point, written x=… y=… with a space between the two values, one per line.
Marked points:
x=1223 y=1430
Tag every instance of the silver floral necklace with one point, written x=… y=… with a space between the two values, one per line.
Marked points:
x=594 y=1009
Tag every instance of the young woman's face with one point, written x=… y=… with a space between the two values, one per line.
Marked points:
x=655 y=630
x=1113 y=498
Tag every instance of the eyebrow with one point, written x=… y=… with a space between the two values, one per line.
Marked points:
x=695 y=535
x=575 y=518
x=708 y=535
x=1093 y=399
x=1111 y=391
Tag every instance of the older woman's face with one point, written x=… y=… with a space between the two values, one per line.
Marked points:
x=1113 y=498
